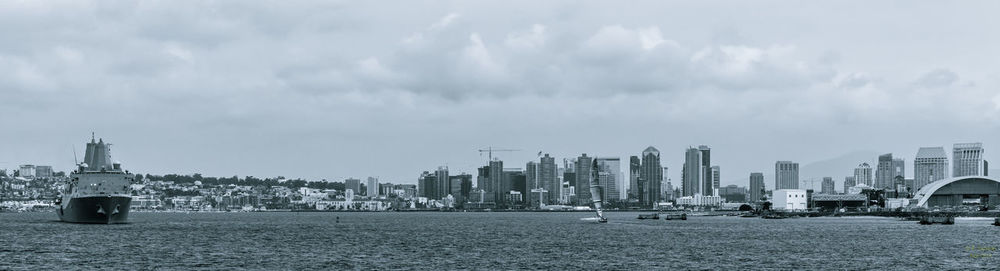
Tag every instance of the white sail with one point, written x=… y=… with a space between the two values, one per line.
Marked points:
x=597 y=192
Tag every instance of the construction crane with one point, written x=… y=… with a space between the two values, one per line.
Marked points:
x=490 y=151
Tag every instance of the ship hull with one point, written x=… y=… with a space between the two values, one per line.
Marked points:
x=96 y=210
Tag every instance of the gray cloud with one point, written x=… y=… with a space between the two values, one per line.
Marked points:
x=327 y=90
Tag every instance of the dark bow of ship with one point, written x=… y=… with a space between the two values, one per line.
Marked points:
x=96 y=209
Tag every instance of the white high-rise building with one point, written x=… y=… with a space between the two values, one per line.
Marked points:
x=967 y=159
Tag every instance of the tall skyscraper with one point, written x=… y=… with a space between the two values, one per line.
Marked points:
x=884 y=172
x=786 y=175
x=548 y=178
x=967 y=159
x=426 y=185
x=611 y=166
x=930 y=165
x=495 y=184
x=461 y=185
x=756 y=186
x=634 y=167
x=372 y=187
x=651 y=174
x=716 y=179
x=849 y=182
x=531 y=175
x=828 y=186
x=692 y=173
x=583 y=175
x=863 y=174
x=443 y=183
x=483 y=178
x=708 y=187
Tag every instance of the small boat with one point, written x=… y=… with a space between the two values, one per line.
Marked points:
x=937 y=219
x=748 y=215
x=596 y=193
x=773 y=216
x=675 y=217
x=996 y=221
x=650 y=216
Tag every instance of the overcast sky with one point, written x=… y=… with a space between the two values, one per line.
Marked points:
x=319 y=89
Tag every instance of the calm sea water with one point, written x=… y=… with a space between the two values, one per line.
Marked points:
x=489 y=241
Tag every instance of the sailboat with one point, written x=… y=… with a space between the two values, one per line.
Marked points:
x=597 y=193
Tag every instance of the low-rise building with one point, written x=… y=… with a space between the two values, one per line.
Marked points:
x=789 y=199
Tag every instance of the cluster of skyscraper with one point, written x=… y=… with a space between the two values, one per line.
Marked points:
x=889 y=173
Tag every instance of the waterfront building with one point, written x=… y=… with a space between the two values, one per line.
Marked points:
x=548 y=178
x=651 y=174
x=827 y=186
x=353 y=184
x=583 y=170
x=756 y=186
x=967 y=159
x=699 y=200
x=372 y=187
x=692 y=174
x=960 y=191
x=849 y=181
x=786 y=175
x=863 y=174
x=634 y=169
x=611 y=166
x=789 y=199
x=733 y=193
x=538 y=197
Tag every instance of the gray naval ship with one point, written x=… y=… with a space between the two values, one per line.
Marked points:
x=98 y=190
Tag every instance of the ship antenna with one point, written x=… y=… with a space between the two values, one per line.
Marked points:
x=77 y=162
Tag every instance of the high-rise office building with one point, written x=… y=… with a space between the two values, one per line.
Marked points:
x=786 y=175
x=651 y=174
x=548 y=178
x=828 y=186
x=967 y=159
x=583 y=176
x=716 y=179
x=930 y=165
x=863 y=174
x=443 y=183
x=634 y=167
x=849 y=182
x=756 y=187
x=483 y=178
x=496 y=184
x=886 y=171
x=460 y=187
x=692 y=173
x=611 y=166
x=372 y=187
x=708 y=188
x=531 y=175
x=426 y=185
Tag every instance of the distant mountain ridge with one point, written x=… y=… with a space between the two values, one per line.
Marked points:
x=838 y=167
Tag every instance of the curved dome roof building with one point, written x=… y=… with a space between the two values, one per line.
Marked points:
x=974 y=190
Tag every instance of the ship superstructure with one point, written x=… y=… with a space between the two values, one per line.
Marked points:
x=98 y=191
